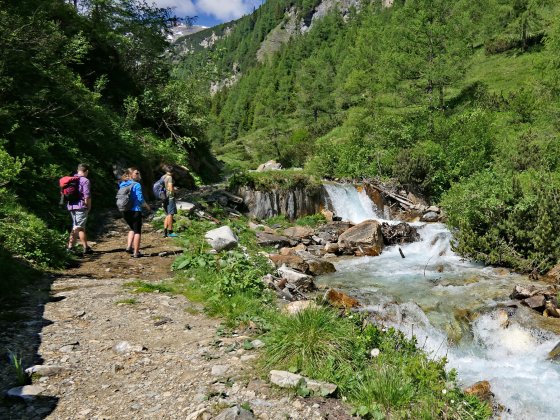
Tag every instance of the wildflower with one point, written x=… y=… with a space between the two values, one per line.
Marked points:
x=444 y=391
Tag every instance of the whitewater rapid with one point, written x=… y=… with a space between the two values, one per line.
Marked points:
x=423 y=293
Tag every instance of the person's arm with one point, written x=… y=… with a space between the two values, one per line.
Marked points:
x=140 y=196
x=86 y=193
x=169 y=185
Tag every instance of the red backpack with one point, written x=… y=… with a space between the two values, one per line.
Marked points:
x=69 y=189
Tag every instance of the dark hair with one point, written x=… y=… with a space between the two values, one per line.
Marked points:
x=168 y=169
x=83 y=167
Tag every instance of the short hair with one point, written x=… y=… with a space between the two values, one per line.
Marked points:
x=168 y=168
x=83 y=167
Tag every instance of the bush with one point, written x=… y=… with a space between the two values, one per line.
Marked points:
x=275 y=180
x=507 y=219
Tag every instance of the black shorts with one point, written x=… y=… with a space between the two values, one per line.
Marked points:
x=134 y=220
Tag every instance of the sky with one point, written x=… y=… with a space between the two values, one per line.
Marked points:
x=211 y=12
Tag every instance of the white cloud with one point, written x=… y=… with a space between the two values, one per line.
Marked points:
x=181 y=7
x=224 y=10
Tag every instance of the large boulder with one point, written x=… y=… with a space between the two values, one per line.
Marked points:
x=363 y=239
x=315 y=265
x=399 y=233
x=340 y=300
x=554 y=274
x=271 y=165
x=301 y=281
x=291 y=261
x=522 y=292
x=221 y=238
x=331 y=231
x=430 y=216
x=269 y=239
x=299 y=232
x=481 y=390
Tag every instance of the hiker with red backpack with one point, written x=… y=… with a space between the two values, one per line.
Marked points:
x=130 y=200
x=76 y=194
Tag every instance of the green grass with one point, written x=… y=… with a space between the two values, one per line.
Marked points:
x=315 y=342
x=15 y=359
x=130 y=301
x=145 y=287
x=506 y=72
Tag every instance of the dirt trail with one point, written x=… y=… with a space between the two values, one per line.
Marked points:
x=118 y=354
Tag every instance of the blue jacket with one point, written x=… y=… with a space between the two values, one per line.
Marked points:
x=135 y=194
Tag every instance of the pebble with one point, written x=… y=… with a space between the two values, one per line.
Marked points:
x=257 y=344
x=219 y=370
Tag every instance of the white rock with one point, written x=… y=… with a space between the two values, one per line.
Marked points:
x=303 y=281
x=320 y=388
x=45 y=370
x=26 y=392
x=219 y=370
x=184 y=205
x=257 y=344
x=221 y=238
x=125 y=347
x=285 y=379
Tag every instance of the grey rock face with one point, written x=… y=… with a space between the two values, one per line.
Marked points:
x=292 y=203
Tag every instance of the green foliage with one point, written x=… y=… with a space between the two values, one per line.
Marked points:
x=313 y=220
x=507 y=219
x=65 y=78
x=15 y=360
x=145 y=287
x=315 y=342
x=275 y=180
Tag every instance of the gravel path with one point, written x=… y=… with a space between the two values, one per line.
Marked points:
x=116 y=354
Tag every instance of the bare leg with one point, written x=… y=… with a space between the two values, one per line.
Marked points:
x=136 y=242
x=72 y=238
x=83 y=237
x=130 y=239
x=168 y=222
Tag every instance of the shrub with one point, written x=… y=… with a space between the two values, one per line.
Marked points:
x=507 y=219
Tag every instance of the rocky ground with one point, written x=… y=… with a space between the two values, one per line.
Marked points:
x=113 y=353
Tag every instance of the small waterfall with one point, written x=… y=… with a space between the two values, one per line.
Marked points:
x=425 y=294
x=351 y=204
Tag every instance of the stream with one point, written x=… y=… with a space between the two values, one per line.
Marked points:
x=455 y=308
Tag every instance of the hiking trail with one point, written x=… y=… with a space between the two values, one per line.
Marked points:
x=116 y=354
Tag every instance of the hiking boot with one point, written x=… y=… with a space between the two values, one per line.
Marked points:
x=137 y=255
x=70 y=251
x=88 y=251
x=172 y=235
x=129 y=251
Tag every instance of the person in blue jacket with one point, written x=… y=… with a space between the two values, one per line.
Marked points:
x=134 y=216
